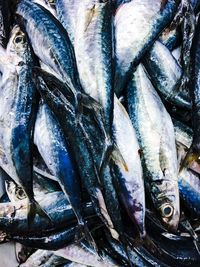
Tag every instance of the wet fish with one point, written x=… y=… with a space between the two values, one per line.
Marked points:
x=157 y=142
x=165 y=74
x=194 y=151
x=13 y=215
x=52 y=240
x=144 y=21
x=17 y=116
x=5 y=21
x=52 y=146
x=57 y=96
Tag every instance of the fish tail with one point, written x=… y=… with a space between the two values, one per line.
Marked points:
x=83 y=232
x=34 y=208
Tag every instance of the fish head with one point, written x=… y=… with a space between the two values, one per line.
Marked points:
x=165 y=196
x=18 y=47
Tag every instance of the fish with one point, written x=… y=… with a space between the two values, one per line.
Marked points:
x=194 y=152
x=13 y=215
x=189 y=188
x=144 y=21
x=57 y=96
x=94 y=51
x=53 y=148
x=52 y=240
x=157 y=144
x=166 y=74
x=129 y=178
x=17 y=117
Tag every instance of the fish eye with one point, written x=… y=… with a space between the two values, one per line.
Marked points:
x=19 y=39
x=20 y=193
x=166 y=210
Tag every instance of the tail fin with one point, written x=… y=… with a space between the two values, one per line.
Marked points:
x=34 y=208
x=83 y=232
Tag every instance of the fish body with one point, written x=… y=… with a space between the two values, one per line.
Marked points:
x=67 y=15
x=50 y=42
x=155 y=134
x=53 y=148
x=18 y=113
x=13 y=217
x=93 y=50
x=165 y=74
x=143 y=21
x=5 y=22
x=57 y=96
x=189 y=188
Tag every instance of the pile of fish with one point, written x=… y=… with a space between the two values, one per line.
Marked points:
x=100 y=132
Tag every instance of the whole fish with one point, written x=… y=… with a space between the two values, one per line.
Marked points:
x=52 y=146
x=83 y=254
x=13 y=215
x=194 y=151
x=144 y=21
x=17 y=116
x=155 y=134
x=57 y=96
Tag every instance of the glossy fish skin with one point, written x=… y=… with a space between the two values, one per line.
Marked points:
x=165 y=74
x=5 y=17
x=51 y=241
x=157 y=143
x=67 y=15
x=50 y=42
x=87 y=53
x=143 y=21
x=130 y=182
x=18 y=116
x=58 y=97
x=83 y=254
x=194 y=151
x=93 y=43
x=13 y=217
x=189 y=188
x=52 y=146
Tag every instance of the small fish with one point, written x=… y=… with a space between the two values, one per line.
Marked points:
x=13 y=215
x=156 y=137
x=144 y=21
x=17 y=116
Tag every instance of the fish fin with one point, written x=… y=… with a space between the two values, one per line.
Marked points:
x=34 y=208
x=112 y=152
x=192 y=155
x=186 y=224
